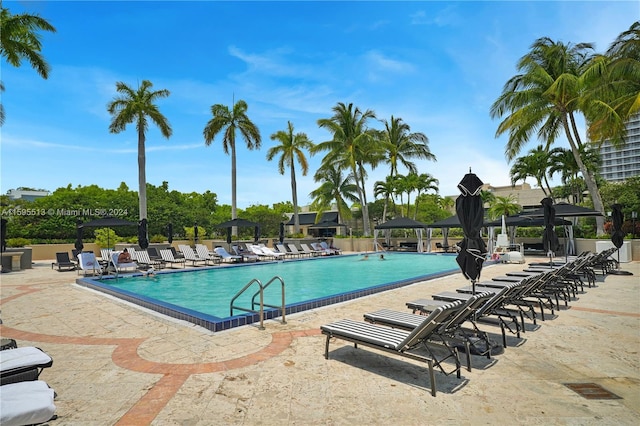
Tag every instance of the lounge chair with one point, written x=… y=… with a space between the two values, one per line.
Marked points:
x=324 y=252
x=105 y=257
x=209 y=258
x=399 y=342
x=246 y=256
x=22 y=364
x=312 y=252
x=26 y=403
x=473 y=340
x=190 y=255
x=88 y=264
x=281 y=248
x=167 y=257
x=262 y=253
x=226 y=256
x=270 y=252
x=293 y=249
x=121 y=267
x=144 y=261
x=64 y=262
x=333 y=250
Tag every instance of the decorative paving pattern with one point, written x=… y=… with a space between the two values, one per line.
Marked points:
x=591 y=391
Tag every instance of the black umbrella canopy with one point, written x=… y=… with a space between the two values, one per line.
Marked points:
x=400 y=223
x=143 y=240
x=564 y=210
x=326 y=224
x=470 y=211
x=236 y=222
x=550 y=240
x=450 y=222
x=617 y=217
x=107 y=222
x=525 y=221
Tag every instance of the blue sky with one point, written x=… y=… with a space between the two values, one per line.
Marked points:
x=437 y=65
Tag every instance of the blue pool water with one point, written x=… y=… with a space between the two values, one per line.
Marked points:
x=207 y=293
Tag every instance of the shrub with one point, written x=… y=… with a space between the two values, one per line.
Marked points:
x=158 y=238
x=17 y=242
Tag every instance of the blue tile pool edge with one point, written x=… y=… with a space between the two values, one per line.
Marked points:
x=214 y=324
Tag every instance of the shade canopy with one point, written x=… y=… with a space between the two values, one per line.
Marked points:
x=237 y=222
x=326 y=224
x=564 y=210
x=524 y=221
x=450 y=222
x=470 y=212
x=401 y=223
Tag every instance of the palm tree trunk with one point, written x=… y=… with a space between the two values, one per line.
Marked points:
x=588 y=177
x=234 y=229
x=142 y=175
x=294 y=196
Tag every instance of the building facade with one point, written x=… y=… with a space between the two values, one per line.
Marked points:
x=623 y=163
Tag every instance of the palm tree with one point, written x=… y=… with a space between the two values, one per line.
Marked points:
x=561 y=160
x=400 y=145
x=503 y=206
x=230 y=122
x=533 y=165
x=425 y=183
x=385 y=190
x=334 y=187
x=19 y=39
x=139 y=106
x=613 y=88
x=291 y=148
x=543 y=101
x=350 y=148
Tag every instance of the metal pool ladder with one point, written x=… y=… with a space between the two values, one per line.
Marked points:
x=260 y=292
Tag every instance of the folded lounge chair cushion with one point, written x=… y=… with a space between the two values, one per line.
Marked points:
x=22 y=364
x=26 y=403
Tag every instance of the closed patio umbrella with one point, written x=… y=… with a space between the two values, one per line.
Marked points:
x=78 y=244
x=617 y=236
x=143 y=239
x=281 y=233
x=470 y=211
x=195 y=233
x=3 y=235
x=550 y=240
x=170 y=233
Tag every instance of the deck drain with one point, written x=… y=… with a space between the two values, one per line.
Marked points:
x=591 y=391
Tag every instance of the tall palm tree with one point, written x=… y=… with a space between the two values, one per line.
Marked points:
x=400 y=145
x=231 y=121
x=350 y=148
x=503 y=206
x=19 y=39
x=334 y=186
x=561 y=160
x=543 y=102
x=139 y=106
x=535 y=165
x=291 y=148
x=613 y=88
x=425 y=183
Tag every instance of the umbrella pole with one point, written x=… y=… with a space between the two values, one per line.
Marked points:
x=619 y=271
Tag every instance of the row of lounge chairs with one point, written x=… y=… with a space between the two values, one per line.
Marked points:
x=24 y=399
x=450 y=320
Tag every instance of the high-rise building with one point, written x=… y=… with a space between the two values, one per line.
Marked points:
x=623 y=163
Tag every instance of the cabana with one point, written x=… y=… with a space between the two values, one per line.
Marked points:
x=401 y=223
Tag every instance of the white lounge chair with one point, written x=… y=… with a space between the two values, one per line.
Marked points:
x=22 y=364
x=26 y=403
x=270 y=252
x=89 y=264
x=294 y=249
x=191 y=255
x=226 y=256
x=246 y=256
x=311 y=252
x=167 y=257
x=124 y=266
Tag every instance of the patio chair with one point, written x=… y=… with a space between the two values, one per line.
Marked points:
x=226 y=256
x=26 y=403
x=22 y=364
x=312 y=252
x=324 y=252
x=244 y=253
x=88 y=264
x=63 y=262
x=270 y=252
x=190 y=255
x=400 y=342
x=144 y=260
x=167 y=257
x=332 y=250
x=472 y=340
x=281 y=248
x=294 y=249
x=121 y=267
x=209 y=258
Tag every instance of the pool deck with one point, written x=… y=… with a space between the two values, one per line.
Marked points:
x=115 y=364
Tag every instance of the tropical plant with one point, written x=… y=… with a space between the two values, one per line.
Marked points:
x=229 y=122
x=139 y=106
x=19 y=39
x=503 y=206
x=351 y=147
x=543 y=101
x=400 y=145
x=561 y=160
x=385 y=190
x=533 y=165
x=291 y=148
x=334 y=187
x=613 y=88
x=425 y=183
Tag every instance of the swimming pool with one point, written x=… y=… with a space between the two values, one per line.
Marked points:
x=202 y=296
